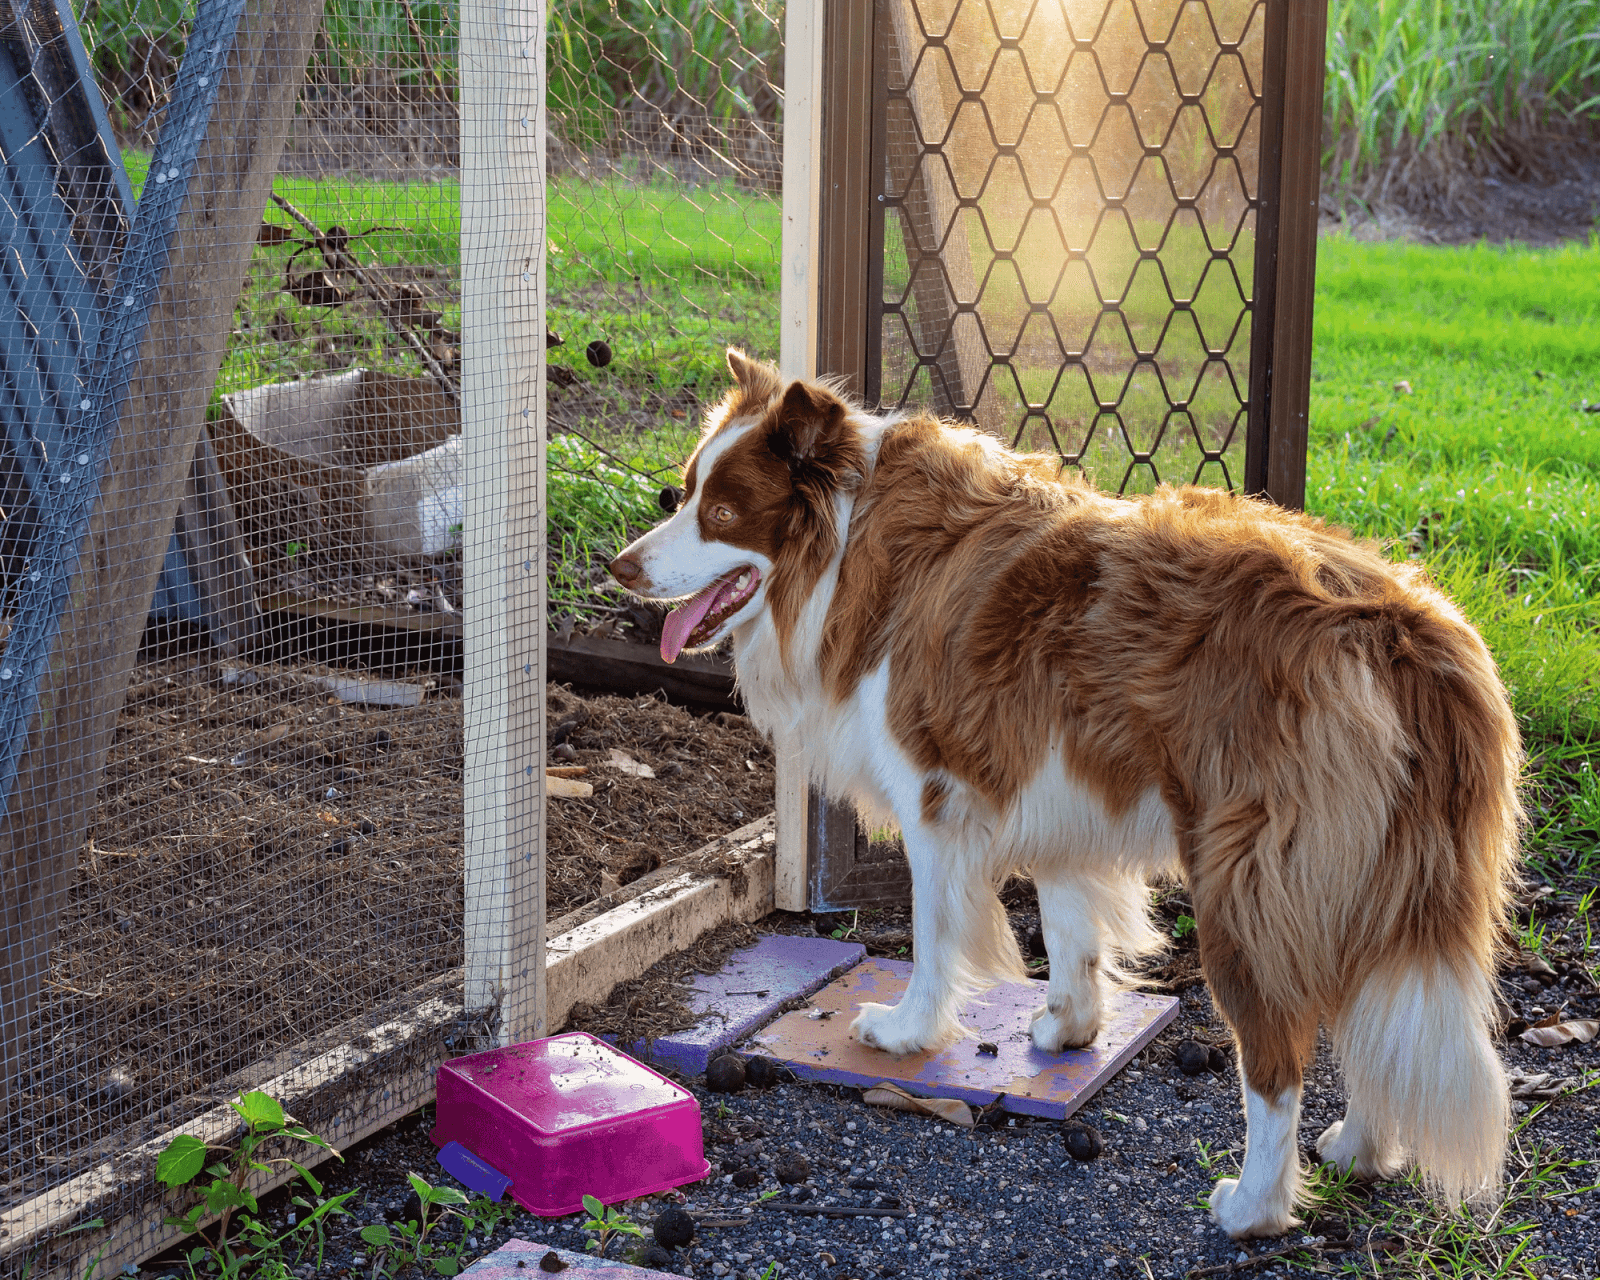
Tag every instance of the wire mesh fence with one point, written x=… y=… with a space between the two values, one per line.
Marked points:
x=274 y=547
x=665 y=189
x=283 y=601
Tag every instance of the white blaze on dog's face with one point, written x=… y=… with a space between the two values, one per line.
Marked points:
x=758 y=505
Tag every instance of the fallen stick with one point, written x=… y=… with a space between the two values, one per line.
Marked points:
x=338 y=259
x=835 y=1211
x=1267 y=1259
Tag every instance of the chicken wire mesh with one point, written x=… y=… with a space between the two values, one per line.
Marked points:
x=289 y=599
x=1071 y=190
x=236 y=617
x=665 y=193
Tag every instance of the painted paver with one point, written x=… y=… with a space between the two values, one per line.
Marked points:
x=1034 y=1083
x=519 y=1259
x=748 y=991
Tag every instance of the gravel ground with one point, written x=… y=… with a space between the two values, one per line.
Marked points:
x=1006 y=1200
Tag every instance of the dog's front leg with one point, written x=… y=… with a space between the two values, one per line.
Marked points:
x=942 y=920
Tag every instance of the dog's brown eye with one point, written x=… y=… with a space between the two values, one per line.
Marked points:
x=721 y=514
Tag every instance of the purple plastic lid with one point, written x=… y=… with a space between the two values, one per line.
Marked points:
x=476 y=1173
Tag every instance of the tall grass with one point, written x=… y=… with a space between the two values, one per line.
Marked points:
x=719 y=58
x=1422 y=92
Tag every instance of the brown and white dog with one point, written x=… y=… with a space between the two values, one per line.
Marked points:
x=1028 y=674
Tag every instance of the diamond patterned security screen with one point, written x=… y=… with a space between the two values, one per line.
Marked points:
x=1088 y=226
x=1071 y=199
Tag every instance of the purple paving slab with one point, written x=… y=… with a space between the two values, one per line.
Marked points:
x=1053 y=1085
x=519 y=1260
x=748 y=991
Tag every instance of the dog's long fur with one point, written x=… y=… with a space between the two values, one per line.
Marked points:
x=1028 y=674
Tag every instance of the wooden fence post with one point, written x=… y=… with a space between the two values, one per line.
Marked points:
x=1286 y=249
x=797 y=354
x=251 y=80
x=503 y=433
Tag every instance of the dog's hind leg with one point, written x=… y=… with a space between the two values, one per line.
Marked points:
x=1274 y=1045
x=962 y=942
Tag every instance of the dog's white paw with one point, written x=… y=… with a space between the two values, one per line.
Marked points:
x=1058 y=1032
x=1347 y=1146
x=895 y=1030
x=1242 y=1215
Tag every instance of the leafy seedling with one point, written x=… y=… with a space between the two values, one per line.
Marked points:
x=403 y=1244
x=185 y=1159
x=606 y=1224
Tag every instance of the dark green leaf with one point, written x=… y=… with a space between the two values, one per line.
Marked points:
x=377 y=1235
x=316 y=1187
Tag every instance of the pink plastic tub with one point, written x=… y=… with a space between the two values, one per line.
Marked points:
x=571 y=1116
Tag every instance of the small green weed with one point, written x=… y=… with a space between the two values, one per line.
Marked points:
x=254 y=1250
x=607 y=1224
x=1183 y=926
x=401 y=1245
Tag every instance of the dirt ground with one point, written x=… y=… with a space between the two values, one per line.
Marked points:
x=266 y=859
x=1498 y=210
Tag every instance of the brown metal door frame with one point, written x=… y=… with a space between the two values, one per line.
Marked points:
x=850 y=290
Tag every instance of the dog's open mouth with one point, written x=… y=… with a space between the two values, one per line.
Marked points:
x=697 y=620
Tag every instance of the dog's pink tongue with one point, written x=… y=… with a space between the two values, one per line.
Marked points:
x=682 y=621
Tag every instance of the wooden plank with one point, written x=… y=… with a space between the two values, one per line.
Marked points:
x=741 y=836
x=700 y=680
x=376 y=1075
x=82 y=690
x=795 y=847
x=802 y=142
x=1289 y=180
x=397 y=617
x=586 y=963
x=503 y=432
x=843 y=223
x=1299 y=192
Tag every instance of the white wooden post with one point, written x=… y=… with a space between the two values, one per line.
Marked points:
x=503 y=431
x=797 y=355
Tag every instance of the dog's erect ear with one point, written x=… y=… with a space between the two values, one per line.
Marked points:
x=808 y=420
x=755 y=377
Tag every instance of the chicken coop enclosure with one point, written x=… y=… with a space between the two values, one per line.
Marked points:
x=345 y=340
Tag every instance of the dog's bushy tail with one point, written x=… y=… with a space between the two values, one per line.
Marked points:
x=1419 y=1063
x=1415 y=1035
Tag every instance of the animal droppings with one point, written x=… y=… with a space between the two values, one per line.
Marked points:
x=1083 y=1140
x=725 y=1074
x=599 y=353
x=1193 y=1058
x=793 y=1169
x=674 y=1228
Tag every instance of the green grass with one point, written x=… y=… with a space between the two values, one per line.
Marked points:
x=1488 y=468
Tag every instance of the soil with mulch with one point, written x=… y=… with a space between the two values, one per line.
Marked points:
x=267 y=861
